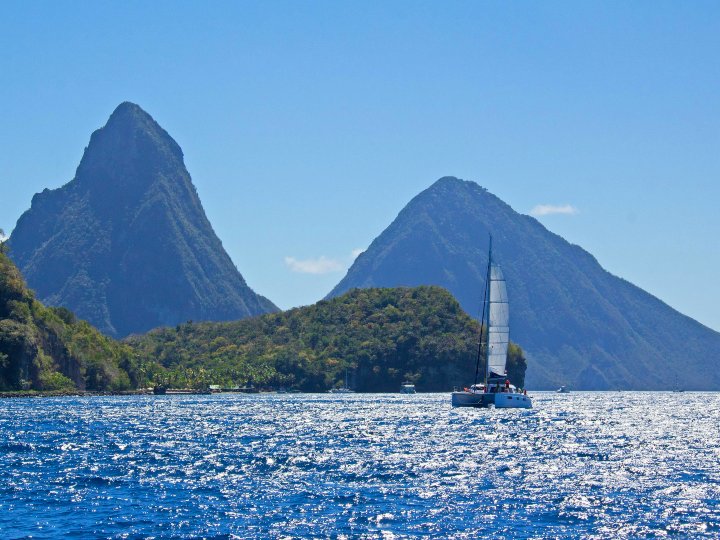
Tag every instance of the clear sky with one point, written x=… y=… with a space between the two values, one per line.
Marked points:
x=307 y=126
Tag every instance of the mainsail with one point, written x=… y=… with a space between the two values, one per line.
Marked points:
x=498 y=323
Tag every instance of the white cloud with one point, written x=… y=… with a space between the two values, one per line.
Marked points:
x=550 y=209
x=320 y=265
x=3 y=237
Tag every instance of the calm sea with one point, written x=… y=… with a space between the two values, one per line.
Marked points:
x=581 y=465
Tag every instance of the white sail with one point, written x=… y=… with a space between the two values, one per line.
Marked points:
x=498 y=322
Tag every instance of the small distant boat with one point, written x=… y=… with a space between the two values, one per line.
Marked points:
x=563 y=390
x=163 y=390
x=247 y=389
x=407 y=388
x=344 y=389
x=496 y=389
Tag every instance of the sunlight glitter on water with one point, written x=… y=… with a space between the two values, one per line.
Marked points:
x=602 y=465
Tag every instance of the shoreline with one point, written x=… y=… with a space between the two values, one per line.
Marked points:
x=71 y=393
x=14 y=394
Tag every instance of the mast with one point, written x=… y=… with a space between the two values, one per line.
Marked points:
x=483 y=319
x=486 y=315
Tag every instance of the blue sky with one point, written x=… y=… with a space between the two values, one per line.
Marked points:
x=307 y=126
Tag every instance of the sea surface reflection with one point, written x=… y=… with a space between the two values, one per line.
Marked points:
x=598 y=465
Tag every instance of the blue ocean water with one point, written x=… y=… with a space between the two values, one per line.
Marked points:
x=579 y=465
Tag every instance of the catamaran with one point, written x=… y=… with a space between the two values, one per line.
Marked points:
x=496 y=389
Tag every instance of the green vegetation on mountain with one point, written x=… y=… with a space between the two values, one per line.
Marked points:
x=578 y=324
x=45 y=348
x=126 y=244
x=382 y=337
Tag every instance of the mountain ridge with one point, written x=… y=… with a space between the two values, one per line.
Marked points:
x=584 y=327
x=126 y=243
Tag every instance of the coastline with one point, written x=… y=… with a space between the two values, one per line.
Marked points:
x=70 y=393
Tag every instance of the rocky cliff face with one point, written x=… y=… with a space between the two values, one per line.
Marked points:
x=578 y=324
x=126 y=244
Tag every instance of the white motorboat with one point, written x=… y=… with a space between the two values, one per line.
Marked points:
x=496 y=389
x=407 y=388
x=563 y=390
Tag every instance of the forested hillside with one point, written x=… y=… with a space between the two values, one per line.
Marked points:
x=45 y=348
x=382 y=337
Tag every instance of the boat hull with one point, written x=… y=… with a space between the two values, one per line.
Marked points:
x=512 y=401
x=499 y=400
x=472 y=399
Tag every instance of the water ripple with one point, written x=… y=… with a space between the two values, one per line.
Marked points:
x=583 y=465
